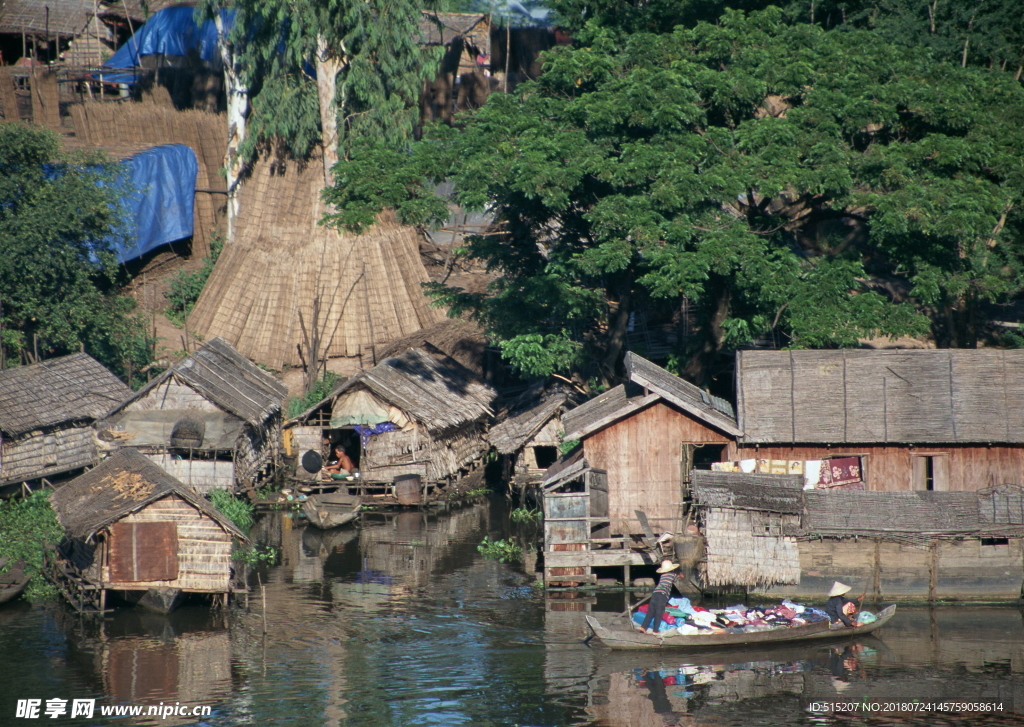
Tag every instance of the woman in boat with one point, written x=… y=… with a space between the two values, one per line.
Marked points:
x=838 y=608
x=659 y=599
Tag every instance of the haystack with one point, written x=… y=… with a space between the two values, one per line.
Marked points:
x=264 y=289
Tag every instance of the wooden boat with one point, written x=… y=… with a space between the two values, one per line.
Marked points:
x=13 y=582
x=331 y=510
x=628 y=638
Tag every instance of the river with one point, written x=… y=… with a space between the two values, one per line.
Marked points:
x=401 y=622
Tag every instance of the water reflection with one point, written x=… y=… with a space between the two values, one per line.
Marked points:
x=401 y=623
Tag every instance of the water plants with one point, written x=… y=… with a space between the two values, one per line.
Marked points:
x=526 y=515
x=504 y=551
x=27 y=527
x=235 y=509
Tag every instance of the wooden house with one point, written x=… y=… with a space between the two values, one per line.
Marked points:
x=46 y=415
x=528 y=432
x=907 y=420
x=420 y=413
x=213 y=420
x=647 y=435
x=132 y=527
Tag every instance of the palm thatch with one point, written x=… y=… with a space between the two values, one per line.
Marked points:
x=881 y=396
x=56 y=17
x=122 y=484
x=75 y=388
x=287 y=281
x=462 y=340
x=528 y=414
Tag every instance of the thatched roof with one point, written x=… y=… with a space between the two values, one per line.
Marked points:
x=226 y=378
x=443 y=28
x=527 y=414
x=66 y=389
x=124 y=483
x=647 y=384
x=427 y=386
x=743 y=491
x=58 y=17
x=463 y=340
x=881 y=396
x=901 y=514
x=263 y=289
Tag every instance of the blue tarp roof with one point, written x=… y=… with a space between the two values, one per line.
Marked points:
x=171 y=32
x=161 y=187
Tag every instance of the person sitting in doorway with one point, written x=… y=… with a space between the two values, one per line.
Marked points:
x=839 y=608
x=659 y=599
x=340 y=463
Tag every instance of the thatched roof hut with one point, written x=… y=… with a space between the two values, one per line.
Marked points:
x=879 y=396
x=429 y=411
x=46 y=410
x=229 y=407
x=528 y=431
x=462 y=340
x=131 y=526
x=288 y=290
x=745 y=519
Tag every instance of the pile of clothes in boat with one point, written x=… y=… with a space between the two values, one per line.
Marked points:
x=683 y=618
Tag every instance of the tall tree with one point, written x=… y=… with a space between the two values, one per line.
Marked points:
x=773 y=174
x=59 y=220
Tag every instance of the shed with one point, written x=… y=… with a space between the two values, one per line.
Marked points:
x=648 y=434
x=916 y=419
x=419 y=413
x=130 y=526
x=46 y=415
x=213 y=420
x=745 y=519
x=528 y=432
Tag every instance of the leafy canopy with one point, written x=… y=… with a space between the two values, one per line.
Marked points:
x=60 y=218
x=769 y=173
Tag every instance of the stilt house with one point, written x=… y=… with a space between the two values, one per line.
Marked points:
x=132 y=527
x=893 y=419
x=213 y=420
x=46 y=415
x=419 y=413
x=528 y=433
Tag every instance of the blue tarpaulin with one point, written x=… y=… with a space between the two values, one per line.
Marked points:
x=170 y=32
x=160 y=189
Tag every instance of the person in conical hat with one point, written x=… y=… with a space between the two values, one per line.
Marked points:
x=838 y=608
x=659 y=599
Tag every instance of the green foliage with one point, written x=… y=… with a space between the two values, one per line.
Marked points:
x=504 y=551
x=781 y=177
x=526 y=515
x=185 y=287
x=257 y=556
x=27 y=527
x=298 y=404
x=568 y=445
x=476 y=492
x=235 y=509
x=58 y=273
x=382 y=68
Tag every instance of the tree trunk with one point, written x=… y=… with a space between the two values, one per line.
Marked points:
x=328 y=65
x=617 y=333
x=238 y=110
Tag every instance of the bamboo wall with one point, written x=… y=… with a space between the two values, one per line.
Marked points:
x=890 y=469
x=747 y=548
x=170 y=396
x=204 y=548
x=202 y=474
x=442 y=455
x=41 y=454
x=949 y=569
x=143 y=123
x=642 y=457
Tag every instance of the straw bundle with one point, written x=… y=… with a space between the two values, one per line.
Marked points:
x=286 y=279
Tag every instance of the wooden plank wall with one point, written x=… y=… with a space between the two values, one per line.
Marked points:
x=642 y=457
x=889 y=469
x=204 y=548
x=964 y=569
x=41 y=454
